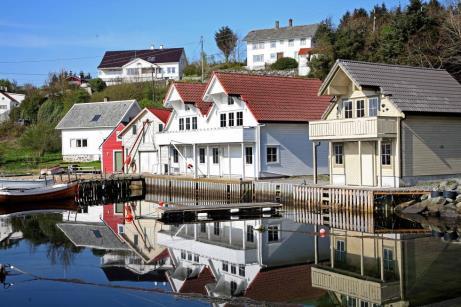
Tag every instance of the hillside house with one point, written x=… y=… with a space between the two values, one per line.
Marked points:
x=142 y=65
x=266 y=46
x=112 y=152
x=139 y=139
x=390 y=125
x=86 y=125
x=242 y=126
x=7 y=102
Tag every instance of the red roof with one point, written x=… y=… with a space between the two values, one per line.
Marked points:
x=161 y=113
x=197 y=284
x=277 y=99
x=304 y=51
x=286 y=284
x=192 y=93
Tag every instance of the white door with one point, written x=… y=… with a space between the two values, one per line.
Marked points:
x=147 y=162
x=368 y=151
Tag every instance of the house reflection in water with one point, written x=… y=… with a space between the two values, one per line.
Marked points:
x=389 y=269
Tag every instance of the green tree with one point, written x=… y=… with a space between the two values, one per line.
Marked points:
x=41 y=138
x=226 y=40
x=97 y=84
x=30 y=105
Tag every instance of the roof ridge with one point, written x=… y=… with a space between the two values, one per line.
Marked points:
x=137 y=50
x=265 y=76
x=391 y=65
x=114 y=101
x=287 y=27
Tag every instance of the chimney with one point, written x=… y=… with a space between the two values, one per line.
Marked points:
x=290 y=22
x=277 y=24
x=106 y=99
x=152 y=47
x=161 y=47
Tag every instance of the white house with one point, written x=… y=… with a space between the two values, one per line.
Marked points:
x=85 y=127
x=142 y=65
x=7 y=102
x=265 y=46
x=139 y=139
x=242 y=126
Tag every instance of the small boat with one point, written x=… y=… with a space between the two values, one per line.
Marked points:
x=17 y=183
x=51 y=193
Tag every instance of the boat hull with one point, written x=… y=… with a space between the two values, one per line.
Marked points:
x=25 y=183
x=39 y=195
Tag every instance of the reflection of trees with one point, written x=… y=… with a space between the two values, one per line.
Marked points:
x=41 y=229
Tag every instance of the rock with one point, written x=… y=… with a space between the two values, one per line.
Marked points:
x=458 y=198
x=434 y=207
x=402 y=206
x=424 y=197
x=449 y=200
x=438 y=200
x=416 y=208
x=449 y=211
x=451 y=185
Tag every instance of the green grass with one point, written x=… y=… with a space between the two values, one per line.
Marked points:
x=15 y=159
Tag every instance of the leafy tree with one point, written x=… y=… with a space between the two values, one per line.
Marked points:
x=11 y=86
x=285 y=63
x=30 y=105
x=41 y=138
x=226 y=40
x=191 y=70
x=97 y=84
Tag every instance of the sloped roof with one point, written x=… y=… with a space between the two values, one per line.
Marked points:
x=7 y=95
x=192 y=93
x=92 y=236
x=411 y=89
x=82 y=115
x=116 y=59
x=304 y=51
x=277 y=99
x=282 y=33
x=285 y=284
x=197 y=284
x=161 y=113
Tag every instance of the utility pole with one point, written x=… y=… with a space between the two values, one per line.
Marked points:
x=202 y=56
x=153 y=83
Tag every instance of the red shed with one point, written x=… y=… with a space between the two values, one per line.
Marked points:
x=112 y=152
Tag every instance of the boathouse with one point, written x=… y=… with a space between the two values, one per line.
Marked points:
x=390 y=125
x=139 y=140
x=242 y=126
x=87 y=125
x=112 y=152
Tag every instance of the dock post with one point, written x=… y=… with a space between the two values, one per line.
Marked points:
x=314 y=160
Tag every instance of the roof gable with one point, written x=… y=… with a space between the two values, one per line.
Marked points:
x=189 y=93
x=162 y=114
x=117 y=59
x=303 y=31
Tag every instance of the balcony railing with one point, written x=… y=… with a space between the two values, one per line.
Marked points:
x=208 y=136
x=353 y=128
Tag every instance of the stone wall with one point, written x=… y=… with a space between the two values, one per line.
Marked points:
x=79 y=158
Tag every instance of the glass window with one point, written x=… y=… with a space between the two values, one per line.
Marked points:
x=388 y=258
x=215 y=155
x=160 y=127
x=272 y=155
x=273 y=44
x=231 y=119
x=242 y=270
x=201 y=155
x=261 y=45
x=134 y=129
x=188 y=123
x=194 y=123
x=225 y=266
x=347 y=109
x=175 y=155
x=189 y=256
x=240 y=118
x=187 y=107
x=373 y=105
x=79 y=143
x=258 y=58
x=230 y=100
x=303 y=42
x=84 y=143
x=183 y=254
x=181 y=124
x=196 y=258
x=223 y=120
x=119 y=208
x=216 y=228
x=351 y=302
x=273 y=56
x=250 y=233
x=340 y=251
x=360 y=108
x=281 y=42
x=291 y=42
x=273 y=233
x=386 y=154
x=249 y=155
x=233 y=269
x=338 y=152
x=233 y=286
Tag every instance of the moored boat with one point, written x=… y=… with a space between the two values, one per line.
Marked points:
x=51 y=193
x=19 y=183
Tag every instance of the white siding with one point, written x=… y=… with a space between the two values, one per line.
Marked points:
x=94 y=137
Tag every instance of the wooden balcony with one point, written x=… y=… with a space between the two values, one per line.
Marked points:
x=373 y=291
x=353 y=128
x=225 y=135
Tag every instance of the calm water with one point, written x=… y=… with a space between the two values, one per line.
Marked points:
x=100 y=257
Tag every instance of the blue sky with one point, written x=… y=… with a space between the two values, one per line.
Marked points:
x=37 y=37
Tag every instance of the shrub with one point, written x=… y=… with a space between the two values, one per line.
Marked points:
x=191 y=70
x=41 y=138
x=285 y=63
x=97 y=85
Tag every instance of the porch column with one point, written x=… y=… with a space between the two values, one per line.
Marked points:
x=362 y=269
x=332 y=251
x=380 y=167
x=243 y=160
x=316 y=244
x=169 y=160
x=229 y=158
x=208 y=161
x=258 y=151
x=194 y=155
x=360 y=162
x=330 y=161
x=314 y=162
x=159 y=169
x=393 y=154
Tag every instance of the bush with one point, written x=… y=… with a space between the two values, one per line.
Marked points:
x=10 y=129
x=138 y=91
x=97 y=85
x=192 y=70
x=285 y=63
x=41 y=138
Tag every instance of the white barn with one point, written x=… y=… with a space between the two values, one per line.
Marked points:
x=242 y=126
x=85 y=127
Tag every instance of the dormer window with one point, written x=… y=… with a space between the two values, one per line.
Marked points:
x=230 y=100
x=186 y=107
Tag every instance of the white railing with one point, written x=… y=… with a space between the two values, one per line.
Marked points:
x=352 y=128
x=208 y=136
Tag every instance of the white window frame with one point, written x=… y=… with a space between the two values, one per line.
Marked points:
x=279 y=237
x=370 y=100
x=303 y=41
x=291 y=43
x=277 y=153
x=273 y=44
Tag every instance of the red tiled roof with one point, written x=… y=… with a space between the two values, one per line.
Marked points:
x=161 y=113
x=277 y=99
x=192 y=93
x=197 y=284
x=114 y=59
x=164 y=254
x=304 y=51
x=286 y=284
